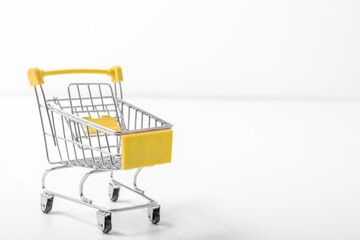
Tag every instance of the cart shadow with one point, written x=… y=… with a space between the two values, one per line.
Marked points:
x=91 y=223
x=197 y=222
x=194 y=220
x=151 y=229
x=123 y=201
x=80 y=219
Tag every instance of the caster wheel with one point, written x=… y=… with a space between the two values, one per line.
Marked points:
x=154 y=214
x=104 y=221
x=46 y=202
x=114 y=191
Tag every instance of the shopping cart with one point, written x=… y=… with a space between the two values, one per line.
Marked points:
x=93 y=127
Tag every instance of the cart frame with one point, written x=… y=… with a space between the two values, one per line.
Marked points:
x=108 y=158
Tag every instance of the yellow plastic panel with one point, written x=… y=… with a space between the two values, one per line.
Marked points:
x=35 y=77
x=106 y=121
x=116 y=74
x=146 y=149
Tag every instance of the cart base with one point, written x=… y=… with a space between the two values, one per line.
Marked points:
x=103 y=214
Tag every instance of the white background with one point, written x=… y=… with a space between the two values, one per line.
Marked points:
x=190 y=48
x=264 y=97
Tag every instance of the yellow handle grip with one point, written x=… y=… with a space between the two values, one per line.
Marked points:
x=36 y=76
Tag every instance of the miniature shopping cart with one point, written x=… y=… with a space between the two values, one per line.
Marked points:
x=93 y=127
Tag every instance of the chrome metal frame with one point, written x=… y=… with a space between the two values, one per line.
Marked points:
x=88 y=202
x=61 y=120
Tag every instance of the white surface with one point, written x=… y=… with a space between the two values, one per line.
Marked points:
x=241 y=170
x=192 y=48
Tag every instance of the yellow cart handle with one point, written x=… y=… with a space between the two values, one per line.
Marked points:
x=36 y=76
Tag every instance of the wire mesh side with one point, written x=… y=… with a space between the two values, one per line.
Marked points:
x=76 y=146
x=136 y=119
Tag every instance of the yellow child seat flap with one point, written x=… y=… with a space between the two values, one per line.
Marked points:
x=106 y=121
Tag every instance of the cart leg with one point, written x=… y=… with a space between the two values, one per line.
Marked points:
x=135 y=180
x=81 y=185
x=47 y=172
x=47 y=199
x=104 y=221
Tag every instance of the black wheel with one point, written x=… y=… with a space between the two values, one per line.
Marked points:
x=104 y=221
x=154 y=215
x=108 y=226
x=46 y=203
x=115 y=195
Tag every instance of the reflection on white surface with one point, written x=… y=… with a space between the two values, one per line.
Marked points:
x=240 y=170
